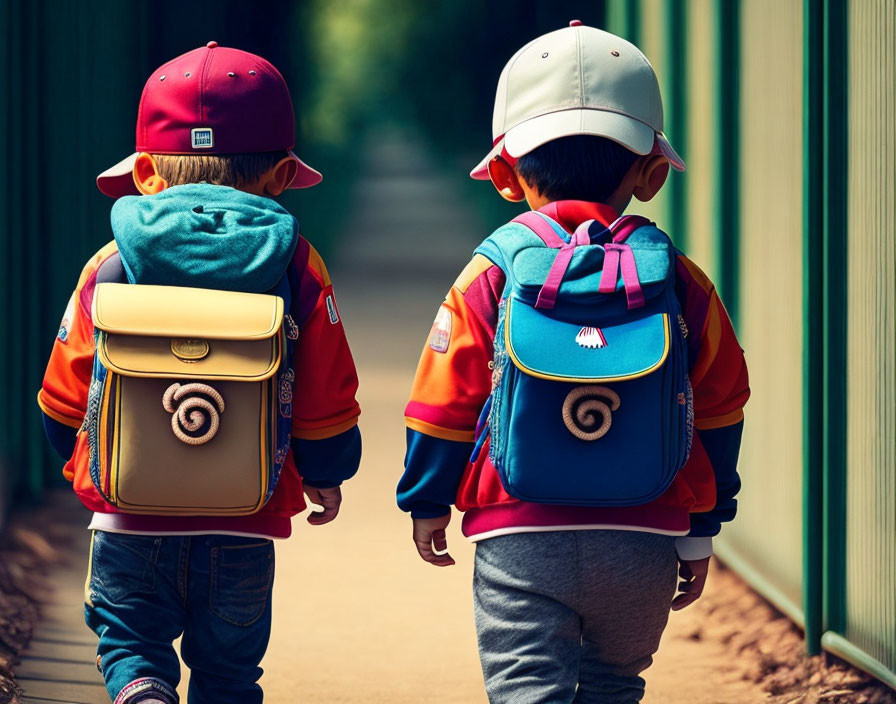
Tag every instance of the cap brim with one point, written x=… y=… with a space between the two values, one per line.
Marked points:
x=305 y=176
x=633 y=134
x=662 y=144
x=480 y=173
x=118 y=180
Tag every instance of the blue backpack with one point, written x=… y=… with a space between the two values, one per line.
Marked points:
x=591 y=402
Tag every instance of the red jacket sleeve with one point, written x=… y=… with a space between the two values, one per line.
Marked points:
x=718 y=370
x=326 y=381
x=718 y=374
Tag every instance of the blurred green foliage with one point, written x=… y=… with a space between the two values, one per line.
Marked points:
x=428 y=66
x=455 y=54
x=357 y=50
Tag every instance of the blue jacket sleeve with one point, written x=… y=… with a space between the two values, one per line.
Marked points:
x=722 y=446
x=61 y=436
x=327 y=463
x=432 y=471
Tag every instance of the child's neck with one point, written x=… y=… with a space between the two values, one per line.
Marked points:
x=618 y=202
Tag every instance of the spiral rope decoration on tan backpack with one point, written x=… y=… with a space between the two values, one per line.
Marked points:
x=192 y=410
x=584 y=405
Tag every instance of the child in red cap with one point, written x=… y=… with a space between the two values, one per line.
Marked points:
x=215 y=132
x=572 y=590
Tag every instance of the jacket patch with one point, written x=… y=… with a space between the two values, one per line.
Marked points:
x=331 y=310
x=440 y=335
x=66 y=323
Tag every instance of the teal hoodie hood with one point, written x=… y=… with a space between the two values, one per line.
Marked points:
x=204 y=236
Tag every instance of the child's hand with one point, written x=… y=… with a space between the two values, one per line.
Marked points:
x=429 y=533
x=330 y=499
x=693 y=573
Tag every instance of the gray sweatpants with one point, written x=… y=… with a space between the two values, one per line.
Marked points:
x=571 y=616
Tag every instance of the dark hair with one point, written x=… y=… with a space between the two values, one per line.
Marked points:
x=580 y=167
x=218 y=169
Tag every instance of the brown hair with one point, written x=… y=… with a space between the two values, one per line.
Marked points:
x=219 y=169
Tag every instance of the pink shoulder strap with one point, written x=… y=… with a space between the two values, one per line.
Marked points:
x=620 y=258
x=547 y=296
x=540 y=227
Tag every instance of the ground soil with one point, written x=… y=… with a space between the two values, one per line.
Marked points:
x=27 y=561
x=736 y=630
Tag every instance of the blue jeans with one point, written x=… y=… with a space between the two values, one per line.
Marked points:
x=145 y=591
x=571 y=616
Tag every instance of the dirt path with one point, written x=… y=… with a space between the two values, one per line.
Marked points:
x=358 y=616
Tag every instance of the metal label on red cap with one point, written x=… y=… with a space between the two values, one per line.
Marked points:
x=202 y=138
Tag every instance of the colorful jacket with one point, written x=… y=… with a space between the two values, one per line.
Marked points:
x=216 y=237
x=453 y=382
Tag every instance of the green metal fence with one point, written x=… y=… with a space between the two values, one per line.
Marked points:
x=861 y=491
x=788 y=203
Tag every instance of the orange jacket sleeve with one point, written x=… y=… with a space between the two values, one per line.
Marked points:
x=63 y=394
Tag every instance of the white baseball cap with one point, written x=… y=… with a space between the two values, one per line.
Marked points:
x=577 y=80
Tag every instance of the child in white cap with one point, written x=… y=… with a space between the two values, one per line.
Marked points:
x=571 y=598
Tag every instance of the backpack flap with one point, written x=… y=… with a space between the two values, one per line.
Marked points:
x=174 y=332
x=549 y=348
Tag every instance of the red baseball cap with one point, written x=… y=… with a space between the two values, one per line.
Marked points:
x=212 y=100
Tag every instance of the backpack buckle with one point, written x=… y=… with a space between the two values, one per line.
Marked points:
x=187 y=350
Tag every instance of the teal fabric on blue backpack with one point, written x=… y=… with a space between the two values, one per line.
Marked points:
x=517 y=250
x=592 y=403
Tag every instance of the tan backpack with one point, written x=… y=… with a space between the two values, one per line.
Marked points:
x=183 y=410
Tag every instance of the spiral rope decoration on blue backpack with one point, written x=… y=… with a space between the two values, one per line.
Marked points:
x=584 y=405
x=193 y=407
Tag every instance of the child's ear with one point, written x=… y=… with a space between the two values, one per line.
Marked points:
x=146 y=175
x=654 y=170
x=505 y=180
x=279 y=178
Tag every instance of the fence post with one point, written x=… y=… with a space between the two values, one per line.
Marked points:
x=675 y=68
x=813 y=337
x=727 y=166
x=623 y=17
x=835 y=250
